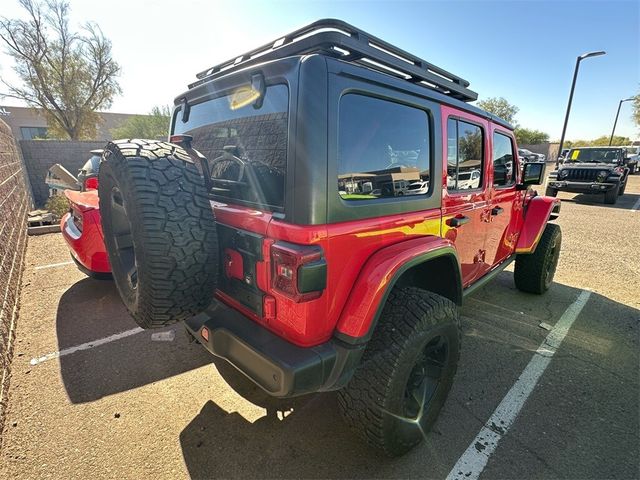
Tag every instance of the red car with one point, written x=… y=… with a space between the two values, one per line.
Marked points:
x=277 y=228
x=82 y=231
x=81 y=226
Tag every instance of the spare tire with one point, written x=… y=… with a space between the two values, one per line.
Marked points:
x=159 y=230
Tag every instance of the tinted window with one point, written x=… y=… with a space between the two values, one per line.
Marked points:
x=246 y=146
x=30 y=133
x=594 y=155
x=503 y=166
x=383 y=149
x=464 y=156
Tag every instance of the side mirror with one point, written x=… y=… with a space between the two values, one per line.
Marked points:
x=532 y=174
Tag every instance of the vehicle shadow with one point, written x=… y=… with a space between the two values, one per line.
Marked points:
x=91 y=310
x=625 y=202
x=305 y=437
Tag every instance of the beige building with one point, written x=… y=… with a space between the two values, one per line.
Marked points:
x=28 y=123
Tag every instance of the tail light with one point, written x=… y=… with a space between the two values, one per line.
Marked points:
x=299 y=272
x=91 y=183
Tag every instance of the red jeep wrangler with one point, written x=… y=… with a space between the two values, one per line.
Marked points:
x=277 y=224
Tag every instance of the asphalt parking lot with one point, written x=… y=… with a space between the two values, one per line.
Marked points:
x=118 y=402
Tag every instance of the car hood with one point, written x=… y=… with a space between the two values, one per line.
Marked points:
x=589 y=165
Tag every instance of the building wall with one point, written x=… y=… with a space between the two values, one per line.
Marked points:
x=14 y=204
x=17 y=117
x=40 y=155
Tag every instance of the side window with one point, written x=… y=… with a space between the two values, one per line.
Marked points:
x=383 y=149
x=465 y=159
x=504 y=173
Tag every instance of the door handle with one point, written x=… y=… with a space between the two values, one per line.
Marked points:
x=458 y=221
x=496 y=211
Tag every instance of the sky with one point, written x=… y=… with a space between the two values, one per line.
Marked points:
x=524 y=51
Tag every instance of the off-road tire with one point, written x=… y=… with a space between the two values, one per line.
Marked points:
x=534 y=272
x=550 y=192
x=611 y=196
x=373 y=403
x=153 y=199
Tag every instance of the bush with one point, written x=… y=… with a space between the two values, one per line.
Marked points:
x=58 y=205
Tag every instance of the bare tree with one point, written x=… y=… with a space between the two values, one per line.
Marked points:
x=69 y=75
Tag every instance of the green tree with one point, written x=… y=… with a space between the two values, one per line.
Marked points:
x=470 y=145
x=525 y=136
x=501 y=107
x=69 y=75
x=636 y=109
x=603 y=141
x=153 y=126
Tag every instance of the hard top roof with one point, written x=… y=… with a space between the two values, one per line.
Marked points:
x=342 y=40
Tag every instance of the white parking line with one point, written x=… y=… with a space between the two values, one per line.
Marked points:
x=636 y=206
x=85 y=346
x=51 y=265
x=472 y=462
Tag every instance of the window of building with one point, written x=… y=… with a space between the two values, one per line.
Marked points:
x=33 y=133
x=383 y=149
x=465 y=159
x=503 y=167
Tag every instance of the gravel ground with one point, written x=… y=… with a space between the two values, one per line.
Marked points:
x=138 y=408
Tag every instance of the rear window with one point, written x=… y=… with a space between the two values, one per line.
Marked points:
x=246 y=146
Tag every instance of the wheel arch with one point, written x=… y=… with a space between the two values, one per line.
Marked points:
x=430 y=263
x=539 y=211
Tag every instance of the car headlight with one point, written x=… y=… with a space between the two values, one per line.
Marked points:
x=602 y=175
x=562 y=174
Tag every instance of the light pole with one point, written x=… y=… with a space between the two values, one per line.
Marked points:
x=573 y=86
x=616 y=120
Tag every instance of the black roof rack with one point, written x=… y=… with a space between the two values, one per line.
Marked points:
x=348 y=43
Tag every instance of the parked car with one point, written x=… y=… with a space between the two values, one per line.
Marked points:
x=563 y=154
x=591 y=170
x=418 y=188
x=530 y=156
x=632 y=157
x=81 y=227
x=299 y=288
x=527 y=155
x=468 y=180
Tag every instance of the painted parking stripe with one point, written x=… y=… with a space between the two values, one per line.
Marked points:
x=52 y=265
x=85 y=346
x=636 y=206
x=472 y=462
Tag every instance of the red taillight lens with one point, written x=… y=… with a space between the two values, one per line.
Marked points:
x=300 y=272
x=91 y=183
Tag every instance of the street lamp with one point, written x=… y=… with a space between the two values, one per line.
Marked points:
x=616 y=120
x=573 y=86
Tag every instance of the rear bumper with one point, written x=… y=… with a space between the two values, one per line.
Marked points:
x=580 y=187
x=279 y=367
x=87 y=246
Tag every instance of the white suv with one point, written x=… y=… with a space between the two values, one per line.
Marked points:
x=418 y=188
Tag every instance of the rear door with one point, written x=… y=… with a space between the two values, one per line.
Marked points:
x=465 y=203
x=505 y=212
